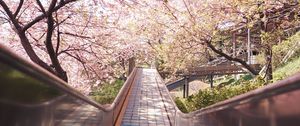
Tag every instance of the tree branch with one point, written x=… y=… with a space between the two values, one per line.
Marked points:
x=59 y=70
x=19 y=8
x=51 y=7
x=24 y=40
x=41 y=6
x=58 y=36
x=81 y=61
x=10 y=15
x=42 y=16
x=75 y=35
x=69 y=49
x=193 y=18
x=243 y=63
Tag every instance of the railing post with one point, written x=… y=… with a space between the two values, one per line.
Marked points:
x=211 y=80
x=234 y=44
x=249 y=45
x=131 y=65
x=187 y=86
x=183 y=91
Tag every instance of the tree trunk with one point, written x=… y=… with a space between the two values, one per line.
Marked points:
x=21 y=31
x=243 y=63
x=34 y=57
x=268 y=58
x=30 y=52
x=59 y=71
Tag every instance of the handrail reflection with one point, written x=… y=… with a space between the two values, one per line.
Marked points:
x=38 y=73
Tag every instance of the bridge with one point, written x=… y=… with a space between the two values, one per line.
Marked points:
x=144 y=100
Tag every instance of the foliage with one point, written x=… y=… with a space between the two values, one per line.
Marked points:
x=260 y=58
x=180 y=105
x=208 y=97
x=180 y=34
x=211 y=96
x=290 y=46
x=91 y=41
x=106 y=93
x=243 y=78
x=287 y=70
x=87 y=41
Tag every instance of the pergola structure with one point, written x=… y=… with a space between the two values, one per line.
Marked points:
x=243 y=39
x=197 y=72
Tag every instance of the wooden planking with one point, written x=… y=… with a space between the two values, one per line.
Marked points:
x=219 y=69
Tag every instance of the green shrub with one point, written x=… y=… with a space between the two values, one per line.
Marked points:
x=230 y=87
x=247 y=77
x=180 y=105
x=106 y=93
x=286 y=70
x=282 y=49
x=208 y=97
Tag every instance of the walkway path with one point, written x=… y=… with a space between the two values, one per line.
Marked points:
x=147 y=106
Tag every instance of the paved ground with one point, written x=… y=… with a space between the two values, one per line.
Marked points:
x=147 y=106
x=83 y=115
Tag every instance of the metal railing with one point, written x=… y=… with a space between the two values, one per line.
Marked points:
x=276 y=104
x=60 y=110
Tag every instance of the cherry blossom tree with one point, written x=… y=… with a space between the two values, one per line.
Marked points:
x=189 y=25
x=86 y=42
x=85 y=39
x=20 y=24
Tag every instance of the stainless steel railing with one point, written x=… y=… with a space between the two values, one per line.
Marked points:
x=276 y=104
x=67 y=108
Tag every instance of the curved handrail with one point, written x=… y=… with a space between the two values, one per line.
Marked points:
x=282 y=86
x=272 y=91
x=37 y=72
x=128 y=83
